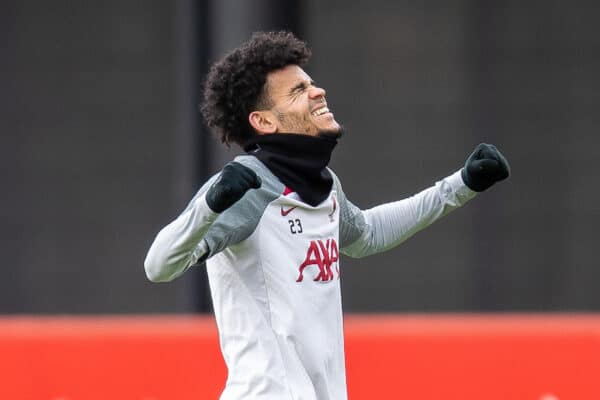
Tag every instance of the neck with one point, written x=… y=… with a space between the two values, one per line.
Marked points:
x=299 y=161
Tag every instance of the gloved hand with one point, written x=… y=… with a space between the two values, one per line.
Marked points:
x=484 y=167
x=234 y=182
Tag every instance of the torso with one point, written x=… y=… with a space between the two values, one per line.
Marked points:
x=278 y=304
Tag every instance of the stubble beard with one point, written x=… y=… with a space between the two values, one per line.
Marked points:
x=335 y=133
x=295 y=124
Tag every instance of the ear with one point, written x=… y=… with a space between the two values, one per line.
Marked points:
x=263 y=122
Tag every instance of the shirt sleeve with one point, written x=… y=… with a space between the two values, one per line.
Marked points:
x=366 y=232
x=179 y=245
x=199 y=233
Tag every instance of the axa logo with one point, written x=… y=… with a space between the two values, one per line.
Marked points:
x=323 y=254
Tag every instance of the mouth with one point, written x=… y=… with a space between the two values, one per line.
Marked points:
x=320 y=111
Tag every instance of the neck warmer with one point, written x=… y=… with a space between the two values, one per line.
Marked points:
x=299 y=161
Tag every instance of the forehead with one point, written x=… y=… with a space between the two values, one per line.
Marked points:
x=286 y=78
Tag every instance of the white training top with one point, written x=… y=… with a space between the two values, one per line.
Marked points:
x=274 y=273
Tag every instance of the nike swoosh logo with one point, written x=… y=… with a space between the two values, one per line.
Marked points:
x=286 y=212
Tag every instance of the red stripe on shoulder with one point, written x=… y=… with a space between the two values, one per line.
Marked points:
x=287 y=191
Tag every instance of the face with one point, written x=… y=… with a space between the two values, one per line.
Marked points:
x=299 y=105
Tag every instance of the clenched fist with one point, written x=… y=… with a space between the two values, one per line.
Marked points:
x=234 y=182
x=484 y=167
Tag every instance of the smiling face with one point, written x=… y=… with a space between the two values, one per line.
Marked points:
x=297 y=105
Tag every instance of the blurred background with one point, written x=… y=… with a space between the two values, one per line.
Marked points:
x=102 y=145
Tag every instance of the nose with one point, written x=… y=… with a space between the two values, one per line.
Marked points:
x=316 y=92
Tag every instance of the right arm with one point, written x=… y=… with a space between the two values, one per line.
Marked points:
x=180 y=244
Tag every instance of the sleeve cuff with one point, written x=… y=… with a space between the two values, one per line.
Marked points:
x=208 y=214
x=459 y=187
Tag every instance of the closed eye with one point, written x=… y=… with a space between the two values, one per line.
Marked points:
x=301 y=87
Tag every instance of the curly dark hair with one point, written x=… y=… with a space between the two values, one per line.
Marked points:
x=235 y=85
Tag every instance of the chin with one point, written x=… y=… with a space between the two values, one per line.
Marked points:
x=336 y=132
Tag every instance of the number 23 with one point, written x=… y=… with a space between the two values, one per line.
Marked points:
x=295 y=226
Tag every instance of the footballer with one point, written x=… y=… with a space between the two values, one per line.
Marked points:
x=271 y=225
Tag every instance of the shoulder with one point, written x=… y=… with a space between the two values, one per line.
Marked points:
x=337 y=184
x=239 y=221
x=270 y=182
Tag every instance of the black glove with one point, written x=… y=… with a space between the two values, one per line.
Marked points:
x=484 y=167
x=234 y=182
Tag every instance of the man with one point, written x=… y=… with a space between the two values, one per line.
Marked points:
x=271 y=224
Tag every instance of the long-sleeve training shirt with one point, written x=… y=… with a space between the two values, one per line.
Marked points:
x=273 y=265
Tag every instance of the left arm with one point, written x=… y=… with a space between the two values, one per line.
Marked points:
x=381 y=228
x=386 y=226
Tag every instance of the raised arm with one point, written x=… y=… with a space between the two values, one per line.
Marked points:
x=383 y=227
x=179 y=245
